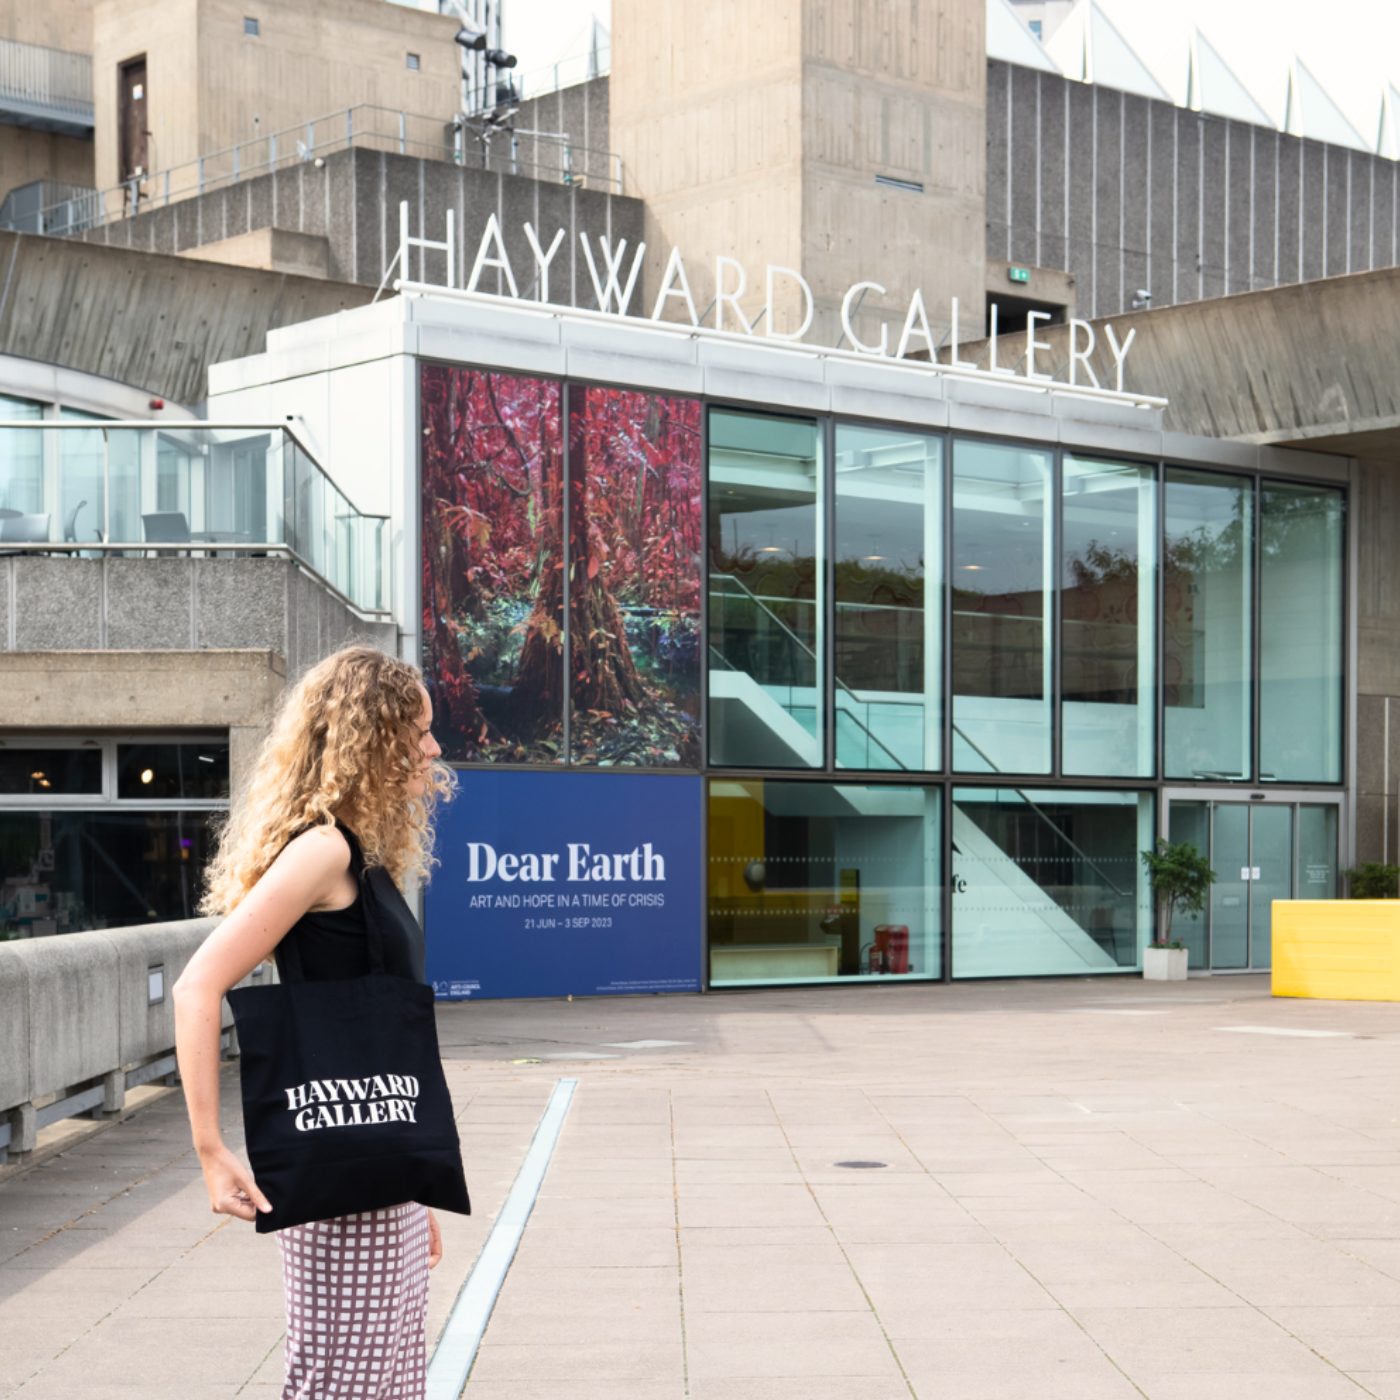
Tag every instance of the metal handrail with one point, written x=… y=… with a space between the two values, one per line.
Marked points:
x=1020 y=792
x=306 y=142
x=841 y=685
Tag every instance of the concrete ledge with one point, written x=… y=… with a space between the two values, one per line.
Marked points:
x=85 y=689
x=75 y=1008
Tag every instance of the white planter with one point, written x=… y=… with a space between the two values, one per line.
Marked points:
x=1164 y=964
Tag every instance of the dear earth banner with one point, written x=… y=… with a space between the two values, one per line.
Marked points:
x=566 y=884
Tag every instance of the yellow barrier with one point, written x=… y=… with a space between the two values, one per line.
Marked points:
x=1337 y=949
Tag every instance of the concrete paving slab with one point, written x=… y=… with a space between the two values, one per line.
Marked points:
x=1075 y=1205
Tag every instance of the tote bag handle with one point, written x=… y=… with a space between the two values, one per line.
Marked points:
x=369 y=902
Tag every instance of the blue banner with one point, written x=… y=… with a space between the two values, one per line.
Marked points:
x=566 y=884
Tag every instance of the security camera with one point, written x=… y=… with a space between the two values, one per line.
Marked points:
x=499 y=58
x=1141 y=299
x=470 y=37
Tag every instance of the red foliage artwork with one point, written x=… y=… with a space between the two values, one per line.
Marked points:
x=494 y=571
x=636 y=500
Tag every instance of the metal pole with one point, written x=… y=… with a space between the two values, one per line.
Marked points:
x=106 y=490
x=451 y=251
x=349 y=126
x=201 y=174
x=403 y=135
x=235 y=165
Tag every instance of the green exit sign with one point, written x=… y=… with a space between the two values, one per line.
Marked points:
x=1019 y=274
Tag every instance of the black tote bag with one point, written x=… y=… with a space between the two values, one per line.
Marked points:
x=345 y=1105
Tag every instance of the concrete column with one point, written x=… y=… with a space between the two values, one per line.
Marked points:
x=113 y=1092
x=24 y=1128
x=756 y=132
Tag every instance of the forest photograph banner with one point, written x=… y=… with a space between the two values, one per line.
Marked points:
x=504 y=458
x=566 y=884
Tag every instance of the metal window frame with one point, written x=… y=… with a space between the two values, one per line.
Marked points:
x=107 y=745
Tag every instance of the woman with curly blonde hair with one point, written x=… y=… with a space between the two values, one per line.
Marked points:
x=343 y=793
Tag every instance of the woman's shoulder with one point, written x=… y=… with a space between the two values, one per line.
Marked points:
x=322 y=849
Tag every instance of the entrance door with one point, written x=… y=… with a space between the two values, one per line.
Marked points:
x=1260 y=852
x=132 y=118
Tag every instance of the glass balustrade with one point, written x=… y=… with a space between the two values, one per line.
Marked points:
x=134 y=490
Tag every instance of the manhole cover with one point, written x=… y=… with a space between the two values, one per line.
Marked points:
x=859 y=1164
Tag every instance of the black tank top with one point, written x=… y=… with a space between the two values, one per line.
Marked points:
x=332 y=943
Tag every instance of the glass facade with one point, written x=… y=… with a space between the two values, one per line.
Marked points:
x=1108 y=617
x=1260 y=851
x=1300 y=633
x=945 y=690
x=102 y=833
x=814 y=881
x=767 y=592
x=1208 y=590
x=1049 y=882
x=888 y=569
x=1003 y=589
x=66 y=871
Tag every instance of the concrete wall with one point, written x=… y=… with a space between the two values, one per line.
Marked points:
x=27 y=155
x=157 y=323
x=756 y=132
x=581 y=113
x=353 y=202
x=1127 y=194
x=105 y=644
x=207 y=80
x=56 y=24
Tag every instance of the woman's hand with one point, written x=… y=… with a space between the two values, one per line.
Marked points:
x=232 y=1190
x=434 y=1241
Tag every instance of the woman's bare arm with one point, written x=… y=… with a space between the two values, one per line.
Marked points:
x=312 y=872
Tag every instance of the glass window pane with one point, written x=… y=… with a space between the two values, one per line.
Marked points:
x=41 y=772
x=766 y=592
x=810 y=882
x=1190 y=821
x=1001 y=583
x=62 y=872
x=1108 y=618
x=1317 y=851
x=1049 y=883
x=637 y=507
x=172 y=770
x=493 y=564
x=1207 y=572
x=1300 y=633
x=888 y=644
x=82 y=507
x=21 y=458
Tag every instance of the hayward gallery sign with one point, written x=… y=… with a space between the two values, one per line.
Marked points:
x=731 y=282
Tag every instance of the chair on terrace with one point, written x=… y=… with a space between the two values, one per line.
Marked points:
x=23 y=529
x=166 y=527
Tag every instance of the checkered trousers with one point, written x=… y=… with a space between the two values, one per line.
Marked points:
x=357 y=1292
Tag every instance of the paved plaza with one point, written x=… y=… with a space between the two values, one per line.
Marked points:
x=1090 y=1189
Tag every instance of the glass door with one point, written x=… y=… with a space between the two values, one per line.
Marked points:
x=1260 y=852
x=1270 y=876
x=1229 y=895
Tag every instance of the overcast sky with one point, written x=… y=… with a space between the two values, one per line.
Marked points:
x=1352 y=46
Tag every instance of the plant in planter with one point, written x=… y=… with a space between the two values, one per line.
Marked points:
x=1181 y=878
x=1372 y=880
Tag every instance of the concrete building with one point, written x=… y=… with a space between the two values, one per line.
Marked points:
x=984 y=470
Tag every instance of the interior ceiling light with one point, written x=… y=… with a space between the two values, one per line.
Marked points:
x=972 y=566
x=146 y=775
x=36 y=776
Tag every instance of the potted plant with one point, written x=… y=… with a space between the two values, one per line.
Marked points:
x=1372 y=880
x=1181 y=878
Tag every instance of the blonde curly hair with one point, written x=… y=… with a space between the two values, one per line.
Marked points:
x=344 y=744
